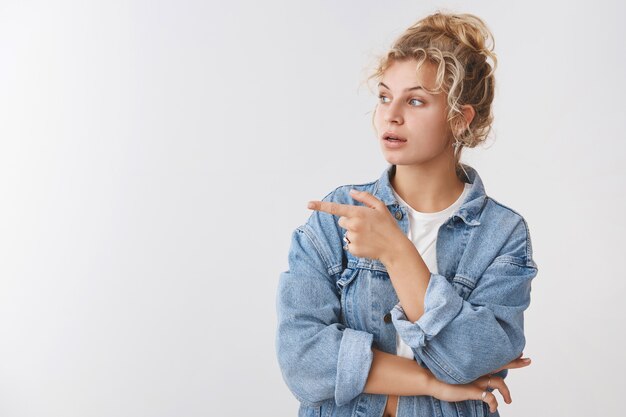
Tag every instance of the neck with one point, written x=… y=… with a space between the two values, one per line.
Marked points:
x=427 y=188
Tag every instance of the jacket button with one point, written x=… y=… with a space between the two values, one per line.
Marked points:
x=399 y=214
x=387 y=318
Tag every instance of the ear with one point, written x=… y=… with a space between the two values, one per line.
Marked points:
x=468 y=113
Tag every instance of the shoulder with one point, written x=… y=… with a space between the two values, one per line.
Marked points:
x=501 y=213
x=508 y=226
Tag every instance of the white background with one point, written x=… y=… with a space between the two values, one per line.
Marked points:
x=156 y=156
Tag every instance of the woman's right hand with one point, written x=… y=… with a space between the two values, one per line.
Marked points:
x=474 y=390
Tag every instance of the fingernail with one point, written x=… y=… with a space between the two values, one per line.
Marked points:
x=310 y=205
x=526 y=360
x=353 y=191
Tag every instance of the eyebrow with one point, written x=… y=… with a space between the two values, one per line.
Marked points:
x=419 y=87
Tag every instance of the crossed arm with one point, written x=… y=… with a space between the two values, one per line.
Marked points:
x=393 y=374
x=458 y=340
x=320 y=358
x=458 y=337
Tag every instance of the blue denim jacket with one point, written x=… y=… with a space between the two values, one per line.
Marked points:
x=333 y=308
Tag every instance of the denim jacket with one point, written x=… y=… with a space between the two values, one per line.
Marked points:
x=333 y=308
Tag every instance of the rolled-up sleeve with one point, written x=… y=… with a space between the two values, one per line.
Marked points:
x=459 y=339
x=353 y=364
x=441 y=305
x=319 y=357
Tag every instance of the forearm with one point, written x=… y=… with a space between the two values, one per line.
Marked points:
x=395 y=375
x=409 y=276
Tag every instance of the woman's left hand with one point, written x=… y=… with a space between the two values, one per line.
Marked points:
x=371 y=230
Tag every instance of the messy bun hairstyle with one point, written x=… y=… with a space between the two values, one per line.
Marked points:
x=461 y=47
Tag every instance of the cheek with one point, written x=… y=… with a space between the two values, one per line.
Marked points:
x=431 y=120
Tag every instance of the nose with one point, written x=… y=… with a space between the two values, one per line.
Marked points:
x=393 y=114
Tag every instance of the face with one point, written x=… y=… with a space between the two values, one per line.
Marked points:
x=409 y=112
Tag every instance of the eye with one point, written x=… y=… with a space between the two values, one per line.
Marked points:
x=380 y=97
x=419 y=101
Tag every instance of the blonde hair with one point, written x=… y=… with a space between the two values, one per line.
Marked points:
x=460 y=46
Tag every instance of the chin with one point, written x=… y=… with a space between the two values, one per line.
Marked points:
x=403 y=160
x=395 y=159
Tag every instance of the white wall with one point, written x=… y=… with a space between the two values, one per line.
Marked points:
x=155 y=157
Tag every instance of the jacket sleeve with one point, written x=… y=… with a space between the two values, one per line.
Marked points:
x=319 y=357
x=459 y=339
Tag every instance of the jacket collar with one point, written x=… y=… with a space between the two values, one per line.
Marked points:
x=469 y=210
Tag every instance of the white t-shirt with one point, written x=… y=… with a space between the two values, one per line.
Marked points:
x=423 y=230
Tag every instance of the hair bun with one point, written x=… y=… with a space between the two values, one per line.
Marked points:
x=467 y=29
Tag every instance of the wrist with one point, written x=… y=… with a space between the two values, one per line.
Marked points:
x=399 y=247
x=433 y=385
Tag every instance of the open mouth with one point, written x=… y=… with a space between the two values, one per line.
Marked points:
x=393 y=137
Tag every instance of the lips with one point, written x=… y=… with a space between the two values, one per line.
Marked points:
x=393 y=136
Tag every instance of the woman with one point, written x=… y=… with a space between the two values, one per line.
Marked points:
x=405 y=295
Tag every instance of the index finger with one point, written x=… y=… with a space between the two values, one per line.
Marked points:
x=332 y=208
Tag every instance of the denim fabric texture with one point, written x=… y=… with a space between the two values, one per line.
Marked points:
x=331 y=306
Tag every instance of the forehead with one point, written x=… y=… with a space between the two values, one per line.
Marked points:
x=404 y=74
